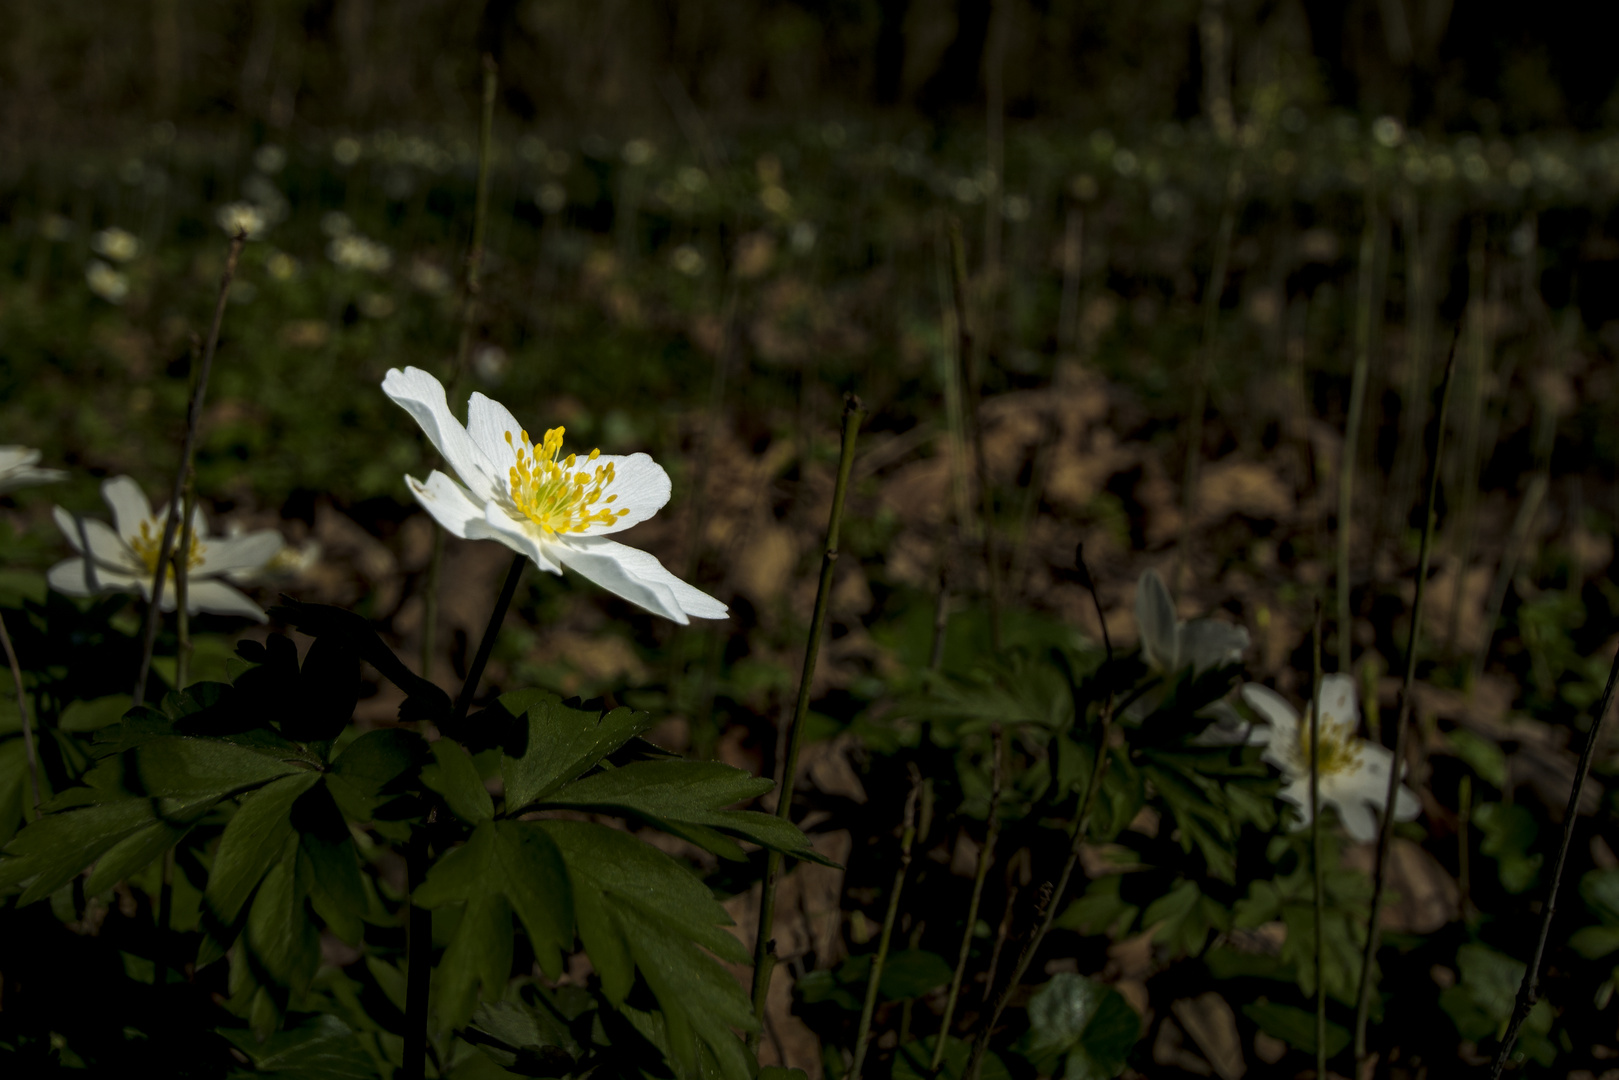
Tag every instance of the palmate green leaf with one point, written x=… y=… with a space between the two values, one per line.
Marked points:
x=1087 y=1022
x=374 y=768
x=454 y=776
x=15 y=795
x=50 y=852
x=558 y=743
x=179 y=766
x=639 y=909
x=321 y=1048
x=687 y=798
x=279 y=945
x=1185 y=917
x=254 y=840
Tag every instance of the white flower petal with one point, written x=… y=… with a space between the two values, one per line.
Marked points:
x=1155 y=616
x=642 y=487
x=1406 y=805
x=522 y=536
x=105 y=546
x=17 y=457
x=1209 y=643
x=1273 y=707
x=1297 y=793
x=637 y=576
x=217 y=597
x=69 y=577
x=130 y=507
x=226 y=555
x=17 y=469
x=1357 y=816
x=489 y=422
x=447 y=501
x=421 y=395
x=1338 y=705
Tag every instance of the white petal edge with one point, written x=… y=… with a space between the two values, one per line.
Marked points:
x=130 y=507
x=1338 y=704
x=638 y=577
x=641 y=484
x=105 y=546
x=68 y=577
x=1273 y=707
x=220 y=599
x=234 y=554
x=488 y=422
x=522 y=536
x=1155 y=619
x=447 y=501
x=421 y=395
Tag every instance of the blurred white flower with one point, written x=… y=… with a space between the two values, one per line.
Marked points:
x=355 y=252
x=490 y=363
x=270 y=158
x=376 y=305
x=1354 y=772
x=551 y=196
x=281 y=266
x=801 y=237
x=288 y=564
x=555 y=509
x=346 y=150
x=687 y=260
x=19 y=468
x=241 y=217
x=335 y=223
x=427 y=277
x=1170 y=643
x=119 y=245
x=123 y=558
x=692 y=179
x=105 y=282
x=639 y=151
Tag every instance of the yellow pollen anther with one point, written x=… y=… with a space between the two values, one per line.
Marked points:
x=546 y=489
x=1338 y=752
x=146 y=544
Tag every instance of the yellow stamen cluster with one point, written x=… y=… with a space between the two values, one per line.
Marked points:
x=552 y=494
x=1340 y=751
x=146 y=544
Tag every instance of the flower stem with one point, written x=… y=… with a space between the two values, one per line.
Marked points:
x=1080 y=829
x=182 y=565
x=1402 y=722
x=22 y=707
x=1319 y=885
x=986 y=855
x=1369 y=239
x=1529 y=988
x=481 y=658
x=907 y=838
x=469 y=310
x=188 y=450
x=764 y=954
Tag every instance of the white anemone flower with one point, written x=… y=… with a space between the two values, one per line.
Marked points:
x=556 y=509
x=123 y=557
x=1354 y=771
x=19 y=467
x=1171 y=643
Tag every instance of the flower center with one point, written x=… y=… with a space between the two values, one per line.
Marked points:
x=146 y=544
x=552 y=494
x=1339 y=751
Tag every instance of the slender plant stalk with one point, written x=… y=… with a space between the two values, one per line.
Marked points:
x=986 y=855
x=419 y=922
x=182 y=586
x=1212 y=292
x=1319 y=884
x=1466 y=464
x=764 y=946
x=958 y=338
x=941 y=622
x=165 y=916
x=1419 y=318
x=1363 y=995
x=1077 y=834
x=1529 y=988
x=22 y=707
x=1073 y=253
x=907 y=838
x=1464 y=875
x=165 y=547
x=1357 y=410
x=966 y=353
x=472 y=284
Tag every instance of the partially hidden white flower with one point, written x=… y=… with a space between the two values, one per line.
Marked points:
x=123 y=557
x=109 y=284
x=288 y=564
x=19 y=467
x=1171 y=643
x=119 y=245
x=1354 y=771
x=556 y=509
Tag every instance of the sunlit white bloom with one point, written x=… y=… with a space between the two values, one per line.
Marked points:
x=1354 y=771
x=1170 y=643
x=119 y=245
x=242 y=217
x=123 y=557
x=556 y=509
x=288 y=564
x=107 y=283
x=352 y=251
x=19 y=468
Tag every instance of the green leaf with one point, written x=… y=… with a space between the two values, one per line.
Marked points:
x=1600 y=891
x=479 y=955
x=372 y=768
x=50 y=852
x=1088 y=1021
x=94 y=715
x=1295 y=1027
x=1102 y=910
x=637 y=906
x=912 y=1061
x=337 y=888
x=321 y=1048
x=910 y=973
x=561 y=744
x=253 y=841
x=531 y=1041
x=180 y=766
x=686 y=798
x=1484 y=756
x=280 y=943
x=1509 y=831
x=455 y=777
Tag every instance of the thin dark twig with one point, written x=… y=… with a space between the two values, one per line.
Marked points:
x=907 y=838
x=1402 y=723
x=182 y=584
x=1529 y=988
x=764 y=955
x=1081 y=828
x=188 y=451
x=941 y=622
x=1319 y=884
x=22 y=709
x=469 y=689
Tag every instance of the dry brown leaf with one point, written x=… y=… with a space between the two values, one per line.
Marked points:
x=1248 y=488
x=1422 y=895
x=1212 y=1025
x=764 y=563
x=1442 y=608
